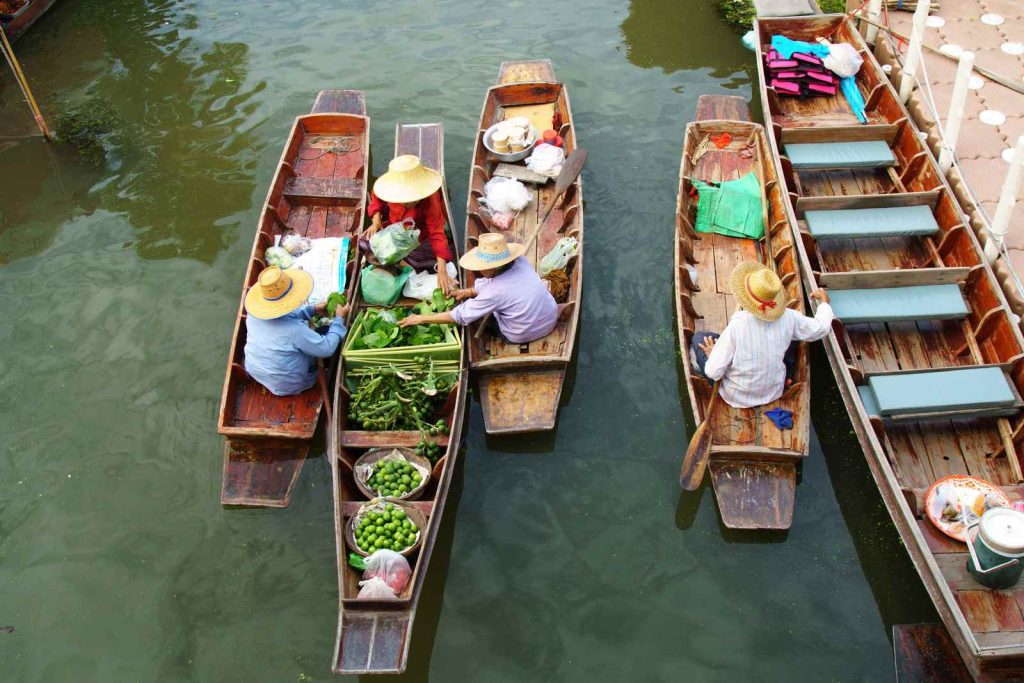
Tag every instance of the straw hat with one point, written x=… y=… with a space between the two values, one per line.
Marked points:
x=407 y=180
x=492 y=251
x=758 y=290
x=278 y=292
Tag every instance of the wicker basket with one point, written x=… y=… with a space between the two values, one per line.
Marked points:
x=412 y=512
x=372 y=456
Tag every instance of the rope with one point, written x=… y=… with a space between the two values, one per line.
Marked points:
x=344 y=145
x=19 y=76
x=737 y=420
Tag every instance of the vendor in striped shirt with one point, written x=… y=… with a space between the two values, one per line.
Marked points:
x=757 y=349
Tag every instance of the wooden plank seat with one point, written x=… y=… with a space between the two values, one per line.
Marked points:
x=900 y=277
x=894 y=221
x=979 y=391
x=323 y=190
x=821 y=156
x=899 y=304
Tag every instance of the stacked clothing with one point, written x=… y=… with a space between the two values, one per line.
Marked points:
x=800 y=74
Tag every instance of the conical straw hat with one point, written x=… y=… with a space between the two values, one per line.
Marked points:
x=492 y=251
x=758 y=290
x=278 y=292
x=407 y=180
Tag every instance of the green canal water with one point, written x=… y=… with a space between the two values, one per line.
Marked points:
x=563 y=557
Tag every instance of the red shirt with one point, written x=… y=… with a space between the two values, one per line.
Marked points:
x=428 y=214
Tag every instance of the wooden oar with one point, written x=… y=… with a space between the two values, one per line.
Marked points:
x=696 y=459
x=571 y=169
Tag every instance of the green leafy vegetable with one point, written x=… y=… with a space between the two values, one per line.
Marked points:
x=333 y=301
x=380 y=329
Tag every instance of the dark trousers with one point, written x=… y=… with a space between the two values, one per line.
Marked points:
x=702 y=358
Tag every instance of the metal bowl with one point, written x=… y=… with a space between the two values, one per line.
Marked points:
x=511 y=156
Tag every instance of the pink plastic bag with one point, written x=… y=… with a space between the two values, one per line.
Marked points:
x=388 y=566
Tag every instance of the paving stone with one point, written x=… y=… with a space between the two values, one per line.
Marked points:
x=971 y=34
x=1006 y=8
x=959 y=10
x=1000 y=98
x=978 y=139
x=1012 y=129
x=940 y=69
x=985 y=177
x=1016 y=257
x=1013 y=28
x=996 y=60
x=943 y=93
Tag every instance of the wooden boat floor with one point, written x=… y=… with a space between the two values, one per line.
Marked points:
x=261 y=473
x=521 y=402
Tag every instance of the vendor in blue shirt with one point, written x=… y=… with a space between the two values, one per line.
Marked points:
x=280 y=346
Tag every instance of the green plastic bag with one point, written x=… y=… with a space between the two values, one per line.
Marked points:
x=731 y=208
x=380 y=287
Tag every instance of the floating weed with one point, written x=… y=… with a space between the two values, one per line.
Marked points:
x=91 y=127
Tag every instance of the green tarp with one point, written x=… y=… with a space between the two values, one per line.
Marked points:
x=731 y=208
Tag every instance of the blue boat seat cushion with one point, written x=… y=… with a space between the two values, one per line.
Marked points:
x=894 y=221
x=811 y=156
x=897 y=304
x=961 y=389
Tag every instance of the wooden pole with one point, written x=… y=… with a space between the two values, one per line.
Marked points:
x=956 y=111
x=914 y=53
x=19 y=76
x=1007 y=199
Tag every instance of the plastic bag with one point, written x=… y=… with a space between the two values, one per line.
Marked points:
x=389 y=567
x=422 y=285
x=564 y=249
x=381 y=288
x=505 y=194
x=546 y=160
x=296 y=245
x=843 y=60
x=277 y=256
x=375 y=589
x=393 y=243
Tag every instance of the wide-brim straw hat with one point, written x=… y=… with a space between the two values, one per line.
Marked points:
x=491 y=251
x=278 y=292
x=407 y=180
x=758 y=290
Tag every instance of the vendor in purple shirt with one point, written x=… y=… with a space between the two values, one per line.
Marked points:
x=506 y=286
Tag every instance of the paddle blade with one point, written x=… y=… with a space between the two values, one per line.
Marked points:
x=696 y=459
x=571 y=169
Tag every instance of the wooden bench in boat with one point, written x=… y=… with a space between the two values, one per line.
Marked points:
x=899 y=304
x=866 y=201
x=901 y=277
x=323 y=190
x=942 y=393
x=893 y=221
x=822 y=156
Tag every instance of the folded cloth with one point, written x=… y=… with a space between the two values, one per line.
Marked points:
x=786 y=47
x=783 y=419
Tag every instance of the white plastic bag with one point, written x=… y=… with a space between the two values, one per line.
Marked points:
x=564 y=249
x=546 y=160
x=375 y=589
x=387 y=566
x=422 y=285
x=394 y=243
x=278 y=256
x=843 y=60
x=505 y=194
x=295 y=245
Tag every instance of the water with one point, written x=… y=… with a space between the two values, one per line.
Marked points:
x=563 y=557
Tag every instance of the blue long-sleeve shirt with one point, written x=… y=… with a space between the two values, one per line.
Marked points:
x=279 y=353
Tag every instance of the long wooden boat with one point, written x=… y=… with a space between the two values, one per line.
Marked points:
x=15 y=23
x=924 y=323
x=521 y=384
x=318 y=190
x=753 y=464
x=374 y=635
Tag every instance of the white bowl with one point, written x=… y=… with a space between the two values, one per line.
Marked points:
x=531 y=139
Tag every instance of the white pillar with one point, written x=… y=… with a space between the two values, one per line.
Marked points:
x=1007 y=199
x=914 y=52
x=874 y=14
x=956 y=111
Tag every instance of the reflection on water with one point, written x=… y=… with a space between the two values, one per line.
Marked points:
x=569 y=556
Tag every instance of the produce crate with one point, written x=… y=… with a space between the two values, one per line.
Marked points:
x=450 y=349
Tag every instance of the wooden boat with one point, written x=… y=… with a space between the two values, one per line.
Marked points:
x=882 y=264
x=521 y=384
x=16 y=16
x=318 y=190
x=753 y=464
x=374 y=635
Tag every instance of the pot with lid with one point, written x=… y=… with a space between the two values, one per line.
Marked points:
x=997 y=548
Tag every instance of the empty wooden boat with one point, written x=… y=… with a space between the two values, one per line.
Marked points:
x=521 y=384
x=374 y=635
x=753 y=464
x=927 y=354
x=318 y=190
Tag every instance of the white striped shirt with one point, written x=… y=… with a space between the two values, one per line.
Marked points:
x=747 y=358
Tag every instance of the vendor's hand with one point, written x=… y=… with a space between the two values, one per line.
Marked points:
x=320 y=309
x=374 y=225
x=821 y=295
x=445 y=282
x=706 y=345
x=463 y=294
x=341 y=312
x=411 y=320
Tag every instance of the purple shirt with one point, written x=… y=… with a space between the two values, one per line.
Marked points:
x=519 y=300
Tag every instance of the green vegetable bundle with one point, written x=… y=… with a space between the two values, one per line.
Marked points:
x=389 y=398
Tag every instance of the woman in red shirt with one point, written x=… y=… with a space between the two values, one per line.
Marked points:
x=411 y=190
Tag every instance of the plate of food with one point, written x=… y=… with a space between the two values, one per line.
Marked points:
x=953 y=503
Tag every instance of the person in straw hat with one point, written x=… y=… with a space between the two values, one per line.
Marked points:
x=506 y=286
x=756 y=350
x=280 y=347
x=411 y=190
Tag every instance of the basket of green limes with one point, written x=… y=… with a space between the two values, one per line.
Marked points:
x=392 y=473
x=385 y=524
